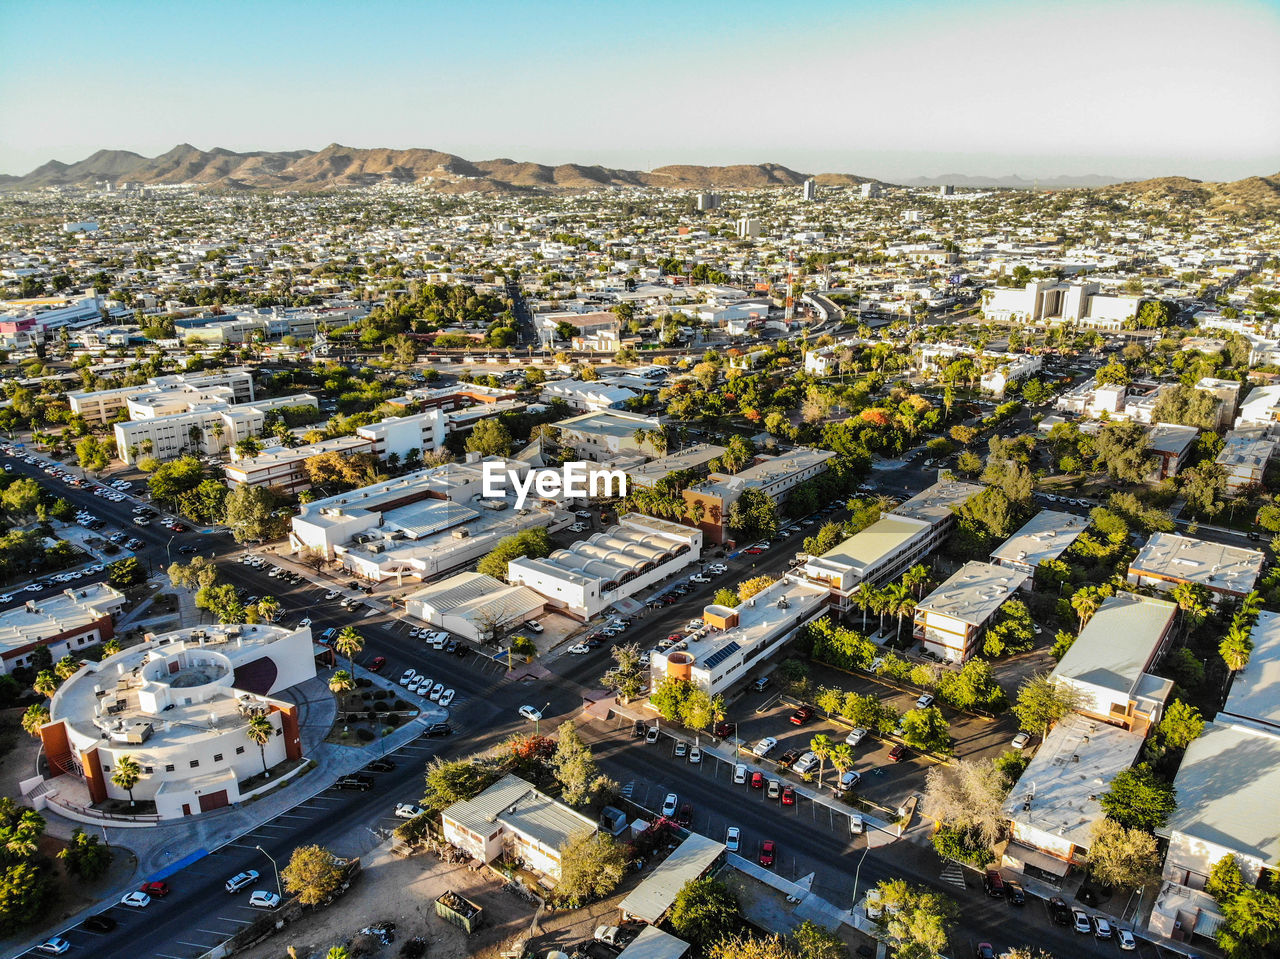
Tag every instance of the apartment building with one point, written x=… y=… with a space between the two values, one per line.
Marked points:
x=874 y=555
x=1111 y=664
x=1168 y=559
x=1244 y=458
x=950 y=620
x=63 y=623
x=205 y=428
x=775 y=476
x=580 y=395
x=600 y=436
x=1170 y=445
x=1046 y=536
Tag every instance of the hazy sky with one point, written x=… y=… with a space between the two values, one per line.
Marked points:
x=890 y=89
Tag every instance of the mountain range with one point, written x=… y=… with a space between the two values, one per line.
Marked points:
x=338 y=167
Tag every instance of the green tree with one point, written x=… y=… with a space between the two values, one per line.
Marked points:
x=918 y=918
x=591 y=867
x=21 y=498
x=126 y=774
x=46 y=683
x=259 y=732
x=1042 y=702
x=753 y=515
x=348 y=643
x=573 y=765
x=85 y=856
x=455 y=780
x=927 y=729
x=1180 y=725
x=629 y=673
x=490 y=438
x=533 y=543
x=127 y=572
x=35 y=717
x=1139 y=799
x=248 y=513
x=313 y=874
x=1119 y=856
x=704 y=912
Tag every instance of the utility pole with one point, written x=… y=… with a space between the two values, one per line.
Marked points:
x=280 y=892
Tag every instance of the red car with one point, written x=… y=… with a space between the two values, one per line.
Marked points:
x=757 y=780
x=802 y=715
x=377 y=664
x=753 y=551
x=788 y=796
x=156 y=890
x=768 y=850
x=898 y=753
x=723 y=729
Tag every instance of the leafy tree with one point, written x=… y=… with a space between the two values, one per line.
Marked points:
x=85 y=856
x=533 y=543
x=967 y=795
x=591 y=867
x=35 y=716
x=1139 y=799
x=126 y=572
x=93 y=455
x=1225 y=879
x=313 y=874
x=573 y=765
x=629 y=673
x=1010 y=764
x=753 y=515
x=1123 y=450
x=199 y=574
x=21 y=498
x=248 y=513
x=1185 y=405
x=1011 y=633
x=749 y=587
x=1119 y=856
x=1252 y=926
x=490 y=437
x=726 y=597
x=1204 y=487
x=917 y=917
x=669 y=696
x=26 y=889
x=927 y=729
x=1113 y=374
x=1042 y=702
x=454 y=780
x=705 y=911
x=1180 y=725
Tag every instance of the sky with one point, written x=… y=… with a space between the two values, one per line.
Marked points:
x=1127 y=88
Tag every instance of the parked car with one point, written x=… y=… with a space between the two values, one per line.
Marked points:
x=925 y=701
x=1013 y=892
x=775 y=789
x=1021 y=741
x=993 y=883
x=100 y=923
x=984 y=950
x=856 y=736
x=732 y=838
x=788 y=796
x=55 y=946
x=263 y=899
x=856 y=825
x=1126 y=940
x=136 y=900
x=768 y=853
x=446 y=697
x=740 y=773
x=898 y=753
x=695 y=755
x=1059 y=912
x=669 y=805
x=806 y=763
x=651 y=736
x=802 y=715
x=1080 y=922
x=407 y=810
x=579 y=649
x=685 y=816
x=439 y=729
x=757 y=780
x=381 y=765
x=376 y=665
x=358 y=782
x=531 y=714
x=156 y=890
x=765 y=746
x=241 y=879
x=1101 y=928
x=849 y=779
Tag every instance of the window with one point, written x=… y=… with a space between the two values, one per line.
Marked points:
x=239 y=750
x=168 y=767
x=195 y=763
x=148 y=770
x=217 y=757
x=280 y=732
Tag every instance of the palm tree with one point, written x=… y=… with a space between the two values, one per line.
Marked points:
x=111 y=647
x=1235 y=648
x=916 y=577
x=126 y=774
x=35 y=717
x=896 y=597
x=259 y=731
x=341 y=683
x=1193 y=600
x=269 y=608
x=338 y=952
x=66 y=667
x=861 y=597
x=348 y=643
x=820 y=745
x=879 y=602
x=1085 y=602
x=22 y=838
x=46 y=683
x=841 y=755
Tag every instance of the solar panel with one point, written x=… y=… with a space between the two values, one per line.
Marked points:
x=721 y=654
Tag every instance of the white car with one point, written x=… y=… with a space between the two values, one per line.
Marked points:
x=330 y=595
x=421 y=686
x=1021 y=740
x=579 y=649
x=446 y=697
x=699 y=578
x=695 y=624
x=669 y=805
x=436 y=690
x=305 y=621
x=533 y=624
x=765 y=746
x=805 y=763
x=408 y=677
x=924 y=702
x=262 y=899
x=1126 y=940
x=136 y=900
x=856 y=735
x=407 y=810
x=695 y=755
x=531 y=714
x=241 y=879
x=57 y=945
x=733 y=838
x=577 y=528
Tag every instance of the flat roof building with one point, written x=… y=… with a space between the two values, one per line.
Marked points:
x=513 y=820
x=1170 y=445
x=690 y=860
x=1054 y=804
x=775 y=476
x=743 y=637
x=1253 y=698
x=99 y=406
x=605 y=433
x=874 y=555
x=938 y=503
x=180 y=706
x=1244 y=458
x=950 y=620
x=63 y=623
x=1111 y=663
x=1168 y=559
x=1046 y=536
x=474 y=605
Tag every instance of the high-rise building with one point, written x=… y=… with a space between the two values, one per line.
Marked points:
x=870 y=191
x=946 y=190
x=810 y=189
x=708 y=201
x=748 y=227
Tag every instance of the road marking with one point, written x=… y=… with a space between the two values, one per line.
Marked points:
x=240 y=845
x=198 y=945
x=285 y=815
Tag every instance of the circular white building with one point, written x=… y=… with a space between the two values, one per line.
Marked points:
x=180 y=706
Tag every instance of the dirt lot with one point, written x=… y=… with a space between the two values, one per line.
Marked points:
x=404 y=892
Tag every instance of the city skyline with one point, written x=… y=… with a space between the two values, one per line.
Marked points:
x=830 y=89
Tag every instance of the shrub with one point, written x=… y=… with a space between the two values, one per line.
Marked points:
x=364 y=735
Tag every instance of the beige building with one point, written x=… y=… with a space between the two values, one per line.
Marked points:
x=950 y=620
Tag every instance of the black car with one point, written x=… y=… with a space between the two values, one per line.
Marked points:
x=362 y=783
x=1059 y=911
x=638 y=728
x=439 y=729
x=1013 y=892
x=686 y=814
x=381 y=766
x=102 y=923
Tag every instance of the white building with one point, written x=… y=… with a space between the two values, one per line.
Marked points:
x=1045 y=536
x=1054 y=301
x=950 y=620
x=580 y=395
x=473 y=605
x=99 y=406
x=610 y=565
x=179 y=705
x=1168 y=559
x=208 y=426
x=1244 y=458
x=64 y=623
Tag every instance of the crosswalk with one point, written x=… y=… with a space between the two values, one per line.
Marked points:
x=953 y=873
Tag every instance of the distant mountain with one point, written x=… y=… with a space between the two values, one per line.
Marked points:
x=1251 y=193
x=1012 y=181
x=340 y=167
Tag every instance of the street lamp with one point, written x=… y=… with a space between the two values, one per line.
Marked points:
x=866 y=839
x=280 y=893
x=537 y=725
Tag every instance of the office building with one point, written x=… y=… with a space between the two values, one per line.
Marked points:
x=1168 y=559
x=809 y=191
x=713 y=498
x=207 y=426
x=63 y=623
x=100 y=406
x=748 y=227
x=1055 y=301
x=474 y=605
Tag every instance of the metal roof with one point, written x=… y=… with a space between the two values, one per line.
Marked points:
x=518 y=806
x=1117 y=645
x=652 y=898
